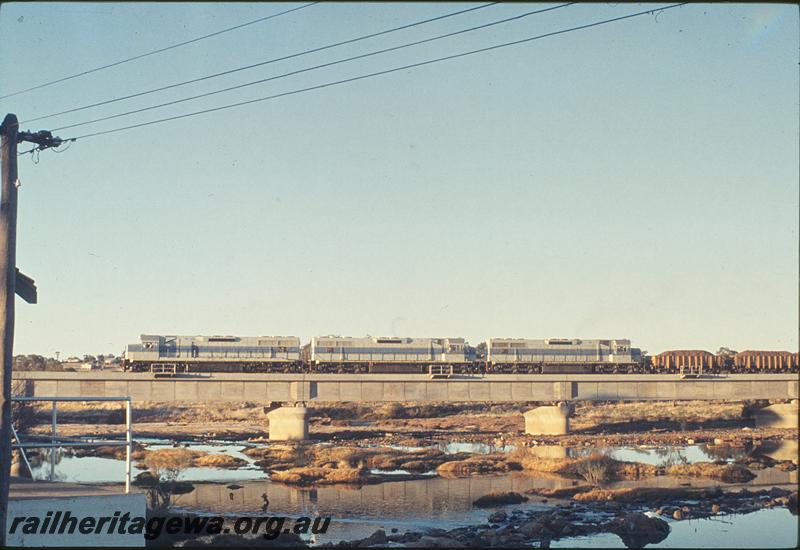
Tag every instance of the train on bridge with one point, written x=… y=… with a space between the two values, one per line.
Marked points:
x=169 y=355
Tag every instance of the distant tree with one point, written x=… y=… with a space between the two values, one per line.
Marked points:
x=725 y=357
x=89 y=359
x=35 y=362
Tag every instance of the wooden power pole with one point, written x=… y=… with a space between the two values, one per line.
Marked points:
x=8 y=276
x=12 y=282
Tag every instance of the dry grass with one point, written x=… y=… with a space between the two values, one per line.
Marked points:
x=275 y=457
x=595 y=468
x=219 y=461
x=474 y=466
x=152 y=411
x=309 y=464
x=410 y=410
x=323 y=476
x=167 y=464
x=728 y=473
x=590 y=415
x=250 y=413
x=178 y=459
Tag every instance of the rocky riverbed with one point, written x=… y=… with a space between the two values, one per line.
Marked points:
x=637 y=523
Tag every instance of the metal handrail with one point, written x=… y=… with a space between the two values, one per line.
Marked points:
x=55 y=443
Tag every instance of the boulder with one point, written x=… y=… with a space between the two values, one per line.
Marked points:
x=378 y=537
x=498 y=517
x=637 y=530
x=532 y=529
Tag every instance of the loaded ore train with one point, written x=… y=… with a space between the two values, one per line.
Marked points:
x=169 y=355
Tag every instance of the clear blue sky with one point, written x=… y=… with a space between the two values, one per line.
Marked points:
x=636 y=180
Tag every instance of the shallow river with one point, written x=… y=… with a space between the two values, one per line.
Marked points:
x=435 y=502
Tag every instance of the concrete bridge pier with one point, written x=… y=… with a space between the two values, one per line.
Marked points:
x=548 y=420
x=288 y=424
x=781 y=415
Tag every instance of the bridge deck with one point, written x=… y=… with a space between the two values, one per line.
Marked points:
x=394 y=387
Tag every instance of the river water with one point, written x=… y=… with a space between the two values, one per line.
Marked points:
x=436 y=502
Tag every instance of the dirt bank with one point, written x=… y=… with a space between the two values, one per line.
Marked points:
x=593 y=425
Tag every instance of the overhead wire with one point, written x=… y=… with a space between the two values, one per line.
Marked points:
x=313 y=68
x=384 y=72
x=154 y=52
x=261 y=63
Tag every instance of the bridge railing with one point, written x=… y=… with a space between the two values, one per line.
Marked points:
x=56 y=443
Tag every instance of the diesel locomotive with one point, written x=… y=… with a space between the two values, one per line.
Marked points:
x=168 y=355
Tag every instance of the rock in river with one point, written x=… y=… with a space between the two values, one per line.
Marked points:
x=499 y=499
x=636 y=529
x=498 y=517
x=378 y=537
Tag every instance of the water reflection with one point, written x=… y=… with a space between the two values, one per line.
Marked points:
x=358 y=512
x=406 y=505
x=780 y=450
x=449 y=447
x=452 y=447
x=94 y=469
x=669 y=455
x=775 y=528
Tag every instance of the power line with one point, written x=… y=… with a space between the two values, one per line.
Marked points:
x=307 y=69
x=262 y=63
x=160 y=50
x=380 y=73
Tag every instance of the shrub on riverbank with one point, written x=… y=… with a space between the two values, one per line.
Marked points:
x=595 y=468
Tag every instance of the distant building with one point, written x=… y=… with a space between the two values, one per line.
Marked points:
x=88 y=365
